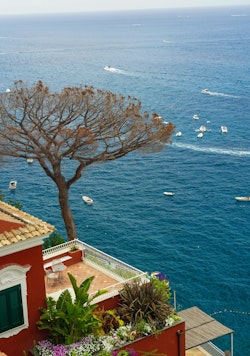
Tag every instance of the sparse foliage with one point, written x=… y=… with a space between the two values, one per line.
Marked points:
x=16 y=204
x=80 y=124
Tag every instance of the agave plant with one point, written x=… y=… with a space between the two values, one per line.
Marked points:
x=69 y=320
x=144 y=302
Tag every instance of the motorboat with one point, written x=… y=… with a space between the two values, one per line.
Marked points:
x=29 y=160
x=170 y=194
x=13 y=184
x=195 y=117
x=247 y=198
x=87 y=200
x=178 y=134
x=223 y=129
x=200 y=135
x=110 y=69
x=205 y=91
x=203 y=128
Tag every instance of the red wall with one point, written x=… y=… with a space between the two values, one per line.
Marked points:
x=170 y=341
x=167 y=342
x=76 y=257
x=15 y=345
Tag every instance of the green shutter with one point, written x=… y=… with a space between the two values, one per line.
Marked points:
x=11 y=308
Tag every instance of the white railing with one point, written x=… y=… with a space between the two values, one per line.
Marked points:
x=212 y=349
x=60 y=248
x=98 y=259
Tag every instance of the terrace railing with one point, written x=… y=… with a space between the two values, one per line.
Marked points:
x=109 y=265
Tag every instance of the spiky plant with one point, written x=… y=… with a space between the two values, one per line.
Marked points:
x=144 y=302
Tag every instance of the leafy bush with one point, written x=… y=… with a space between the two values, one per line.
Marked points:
x=78 y=328
x=110 y=320
x=69 y=320
x=144 y=302
x=53 y=240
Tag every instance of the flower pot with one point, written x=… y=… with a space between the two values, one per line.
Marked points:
x=76 y=256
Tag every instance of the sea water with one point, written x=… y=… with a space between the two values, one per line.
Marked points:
x=198 y=237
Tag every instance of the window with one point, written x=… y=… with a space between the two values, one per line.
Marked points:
x=13 y=300
x=11 y=308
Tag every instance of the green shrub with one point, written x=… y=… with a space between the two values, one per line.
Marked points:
x=53 y=240
x=69 y=320
x=144 y=302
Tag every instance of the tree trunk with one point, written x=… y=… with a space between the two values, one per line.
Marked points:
x=66 y=212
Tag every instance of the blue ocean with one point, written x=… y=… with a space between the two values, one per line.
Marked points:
x=199 y=237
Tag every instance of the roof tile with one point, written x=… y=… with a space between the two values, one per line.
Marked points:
x=27 y=226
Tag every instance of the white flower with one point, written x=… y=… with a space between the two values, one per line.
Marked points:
x=169 y=321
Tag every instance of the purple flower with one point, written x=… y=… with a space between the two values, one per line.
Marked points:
x=59 y=350
x=161 y=276
x=45 y=344
x=131 y=352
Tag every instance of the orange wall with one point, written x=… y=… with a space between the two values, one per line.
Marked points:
x=15 y=345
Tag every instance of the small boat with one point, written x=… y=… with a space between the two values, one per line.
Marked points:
x=29 y=160
x=87 y=200
x=247 y=198
x=170 y=194
x=200 y=135
x=178 y=134
x=223 y=129
x=203 y=128
x=196 y=117
x=13 y=184
x=205 y=91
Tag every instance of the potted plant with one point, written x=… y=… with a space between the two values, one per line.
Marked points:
x=143 y=320
x=76 y=254
x=68 y=320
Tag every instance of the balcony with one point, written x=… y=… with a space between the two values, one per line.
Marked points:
x=110 y=273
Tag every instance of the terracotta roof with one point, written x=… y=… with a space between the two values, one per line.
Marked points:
x=16 y=225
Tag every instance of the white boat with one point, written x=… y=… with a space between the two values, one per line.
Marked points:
x=107 y=68
x=196 y=117
x=203 y=128
x=87 y=200
x=111 y=69
x=29 y=160
x=178 y=134
x=223 y=129
x=205 y=91
x=200 y=135
x=169 y=193
x=13 y=184
x=247 y=198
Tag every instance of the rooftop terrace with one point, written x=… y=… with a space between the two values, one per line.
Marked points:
x=109 y=272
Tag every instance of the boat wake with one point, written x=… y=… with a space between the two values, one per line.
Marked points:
x=214 y=93
x=116 y=70
x=213 y=150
